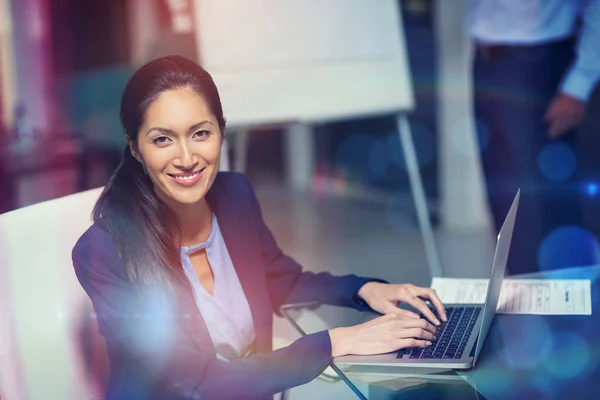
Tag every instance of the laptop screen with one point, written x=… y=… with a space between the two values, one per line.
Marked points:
x=497 y=275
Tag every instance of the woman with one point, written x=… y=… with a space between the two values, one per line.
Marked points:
x=184 y=275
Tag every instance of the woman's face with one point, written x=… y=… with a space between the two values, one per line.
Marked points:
x=179 y=144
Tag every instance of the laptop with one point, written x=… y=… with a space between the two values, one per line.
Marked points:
x=460 y=340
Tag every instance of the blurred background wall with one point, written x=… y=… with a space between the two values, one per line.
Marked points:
x=65 y=63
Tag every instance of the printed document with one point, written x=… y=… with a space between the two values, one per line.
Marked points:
x=522 y=296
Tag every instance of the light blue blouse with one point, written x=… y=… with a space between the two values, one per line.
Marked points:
x=227 y=312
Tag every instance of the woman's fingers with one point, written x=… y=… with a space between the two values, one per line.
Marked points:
x=420 y=323
x=416 y=333
x=435 y=300
x=400 y=312
x=412 y=295
x=420 y=305
x=387 y=333
x=406 y=343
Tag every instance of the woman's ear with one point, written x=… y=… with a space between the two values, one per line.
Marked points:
x=132 y=148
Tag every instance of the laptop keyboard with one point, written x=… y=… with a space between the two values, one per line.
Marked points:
x=452 y=336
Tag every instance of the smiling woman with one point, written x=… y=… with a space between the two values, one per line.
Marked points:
x=185 y=276
x=176 y=150
x=172 y=115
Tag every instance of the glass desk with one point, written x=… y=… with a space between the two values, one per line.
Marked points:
x=524 y=356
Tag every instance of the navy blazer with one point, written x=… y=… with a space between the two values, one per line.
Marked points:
x=161 y=352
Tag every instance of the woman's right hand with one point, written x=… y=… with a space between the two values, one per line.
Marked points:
x=384 y=334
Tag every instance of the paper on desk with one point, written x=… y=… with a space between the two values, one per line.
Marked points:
x=522 y=296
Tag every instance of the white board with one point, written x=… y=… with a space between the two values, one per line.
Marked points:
x=277 y=61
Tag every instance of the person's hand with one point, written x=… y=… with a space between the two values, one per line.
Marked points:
x=565 y=112
x=384 y=298
x=384 y=334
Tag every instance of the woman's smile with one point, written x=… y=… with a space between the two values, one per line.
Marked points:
x=187 y=179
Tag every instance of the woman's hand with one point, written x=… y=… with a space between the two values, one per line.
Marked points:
x=384 y=298
x=381 y=335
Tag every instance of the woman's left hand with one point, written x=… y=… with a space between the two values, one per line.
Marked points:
x=384 y=298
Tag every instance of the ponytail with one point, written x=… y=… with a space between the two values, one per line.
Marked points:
x=143 y=229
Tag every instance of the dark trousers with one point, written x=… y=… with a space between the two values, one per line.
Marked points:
x=514 y=86
x=588 y=141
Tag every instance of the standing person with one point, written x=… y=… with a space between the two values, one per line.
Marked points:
x=535 y=64
x=185 y=276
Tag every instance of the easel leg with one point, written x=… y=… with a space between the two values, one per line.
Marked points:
x=416 y=186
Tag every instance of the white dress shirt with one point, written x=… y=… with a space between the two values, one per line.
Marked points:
x=530 y=22
x=227 y=312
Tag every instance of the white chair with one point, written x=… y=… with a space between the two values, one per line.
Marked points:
x=50 y=347
x=46 y=333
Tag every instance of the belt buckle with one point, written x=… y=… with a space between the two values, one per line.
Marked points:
x=485 y=52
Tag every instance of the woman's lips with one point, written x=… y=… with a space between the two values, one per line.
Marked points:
x=187 y=179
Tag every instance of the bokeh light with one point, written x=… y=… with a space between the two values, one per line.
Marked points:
x=394 y=150
x=495 y=381
x=378 y=159
x=557 y=162
x=424 y=143
x=528 y=351
x=545 y=383
x=568 y=355
x=568 y=246
x=354 y=151
x=591 y=188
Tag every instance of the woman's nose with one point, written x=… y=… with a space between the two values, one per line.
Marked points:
x=187 y=160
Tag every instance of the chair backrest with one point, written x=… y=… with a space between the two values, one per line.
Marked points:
x=47 y=335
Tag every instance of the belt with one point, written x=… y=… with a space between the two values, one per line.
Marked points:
x=502 y=51
x=492 y=52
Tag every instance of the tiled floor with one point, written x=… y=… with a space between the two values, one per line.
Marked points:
x=371 y=238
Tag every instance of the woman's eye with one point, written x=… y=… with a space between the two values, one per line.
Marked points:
x=202 y=134
x=161 y=140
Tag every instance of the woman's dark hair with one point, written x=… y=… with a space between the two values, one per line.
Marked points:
x=144 y=230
